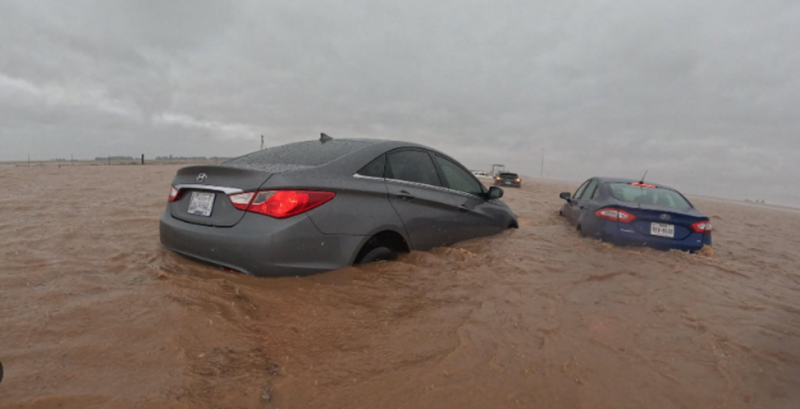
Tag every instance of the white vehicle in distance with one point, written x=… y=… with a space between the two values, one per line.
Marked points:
x=481 y=174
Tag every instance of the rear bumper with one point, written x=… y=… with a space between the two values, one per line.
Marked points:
x=504 y=184
x=262 y=246
x=625 y=235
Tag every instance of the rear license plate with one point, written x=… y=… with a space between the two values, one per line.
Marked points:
x=201 y=204
x=663 y=230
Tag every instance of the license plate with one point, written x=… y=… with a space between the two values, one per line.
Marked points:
x=663 y=230
x=201 y=204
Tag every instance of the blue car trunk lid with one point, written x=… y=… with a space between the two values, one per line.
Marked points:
x=220 y=181
x=646 y=215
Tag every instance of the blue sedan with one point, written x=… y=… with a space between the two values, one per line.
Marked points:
x=629 y=212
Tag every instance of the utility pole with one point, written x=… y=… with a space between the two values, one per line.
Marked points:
x=29 y=160
x=71 y=160
x=541 y=172
x=262 y=142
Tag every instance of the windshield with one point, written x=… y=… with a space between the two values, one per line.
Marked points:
x=508 y=175
x=625 y=192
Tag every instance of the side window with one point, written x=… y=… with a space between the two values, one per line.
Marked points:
x=580 y=190
x=457 y=178
x=596 y=192
x=374 y=168
x=589 y=191
x=412 y=166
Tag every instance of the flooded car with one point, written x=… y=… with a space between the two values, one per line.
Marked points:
x=627 y=212
x=315 y=206
x=508 y=179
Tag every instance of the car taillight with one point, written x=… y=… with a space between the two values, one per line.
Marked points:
x=241 y=200
x=280 y=204
x=174 y=194
x=615 y=215
x=702 y=227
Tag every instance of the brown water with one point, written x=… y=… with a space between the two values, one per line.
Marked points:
x=94 y=313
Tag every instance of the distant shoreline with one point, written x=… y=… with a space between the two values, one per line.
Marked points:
x=217 y=161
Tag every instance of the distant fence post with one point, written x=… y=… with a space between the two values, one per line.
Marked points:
x=142 y=159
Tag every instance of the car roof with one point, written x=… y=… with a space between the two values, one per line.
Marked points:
x=626 y=180
x=313 y=153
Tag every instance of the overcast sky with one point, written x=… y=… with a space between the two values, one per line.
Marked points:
x=704 y=94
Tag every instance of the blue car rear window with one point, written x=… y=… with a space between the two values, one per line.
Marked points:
x=309 y=153
x=625 y=192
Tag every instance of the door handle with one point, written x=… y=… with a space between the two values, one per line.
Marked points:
x=405 y=195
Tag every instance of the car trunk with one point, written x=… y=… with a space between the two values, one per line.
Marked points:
x=215 y=183
x=646 y=215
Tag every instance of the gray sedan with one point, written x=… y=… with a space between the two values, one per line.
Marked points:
x=316 y=206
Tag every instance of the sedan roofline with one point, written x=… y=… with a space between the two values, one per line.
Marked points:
x=627 y=180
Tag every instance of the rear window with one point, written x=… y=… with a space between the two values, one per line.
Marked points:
x=625 y=192
x=309 y=153
x=508 y=175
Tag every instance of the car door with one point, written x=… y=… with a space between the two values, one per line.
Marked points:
x=572 y=211
x=581 y=199
x=478 y=216
x=415 y=191
x=587 y=205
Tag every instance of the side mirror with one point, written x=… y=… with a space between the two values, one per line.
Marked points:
x=565 y=195
x=494 y=193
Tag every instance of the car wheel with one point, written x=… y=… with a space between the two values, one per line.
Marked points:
x=379 y=254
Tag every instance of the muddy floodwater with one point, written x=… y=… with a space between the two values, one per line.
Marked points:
x=95 y=314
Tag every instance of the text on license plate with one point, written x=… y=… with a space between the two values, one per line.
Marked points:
x=201 y=204
x=663 y=230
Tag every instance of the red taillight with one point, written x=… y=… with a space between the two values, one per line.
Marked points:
x=702 y=227
x=615 y=215
x=174 y=194
x=280 y=204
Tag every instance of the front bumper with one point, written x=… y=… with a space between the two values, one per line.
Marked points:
x=262 y=246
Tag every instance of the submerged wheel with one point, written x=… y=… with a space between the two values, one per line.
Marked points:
x=379 y=254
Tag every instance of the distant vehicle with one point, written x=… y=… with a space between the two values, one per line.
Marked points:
x=508 y=179
x=481 y=174
x=629 y=212
x=315 y=206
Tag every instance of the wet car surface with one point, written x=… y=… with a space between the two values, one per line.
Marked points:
x=315 y=206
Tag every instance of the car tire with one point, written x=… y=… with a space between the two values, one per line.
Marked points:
x=379 y=254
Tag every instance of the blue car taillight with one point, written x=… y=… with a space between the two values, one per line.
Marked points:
x=615 y=215
x=702 y=227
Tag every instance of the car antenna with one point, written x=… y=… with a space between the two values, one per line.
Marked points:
x=643 y=176
x=323 y=137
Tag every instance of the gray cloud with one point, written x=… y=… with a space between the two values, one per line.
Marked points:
x=704 y=95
